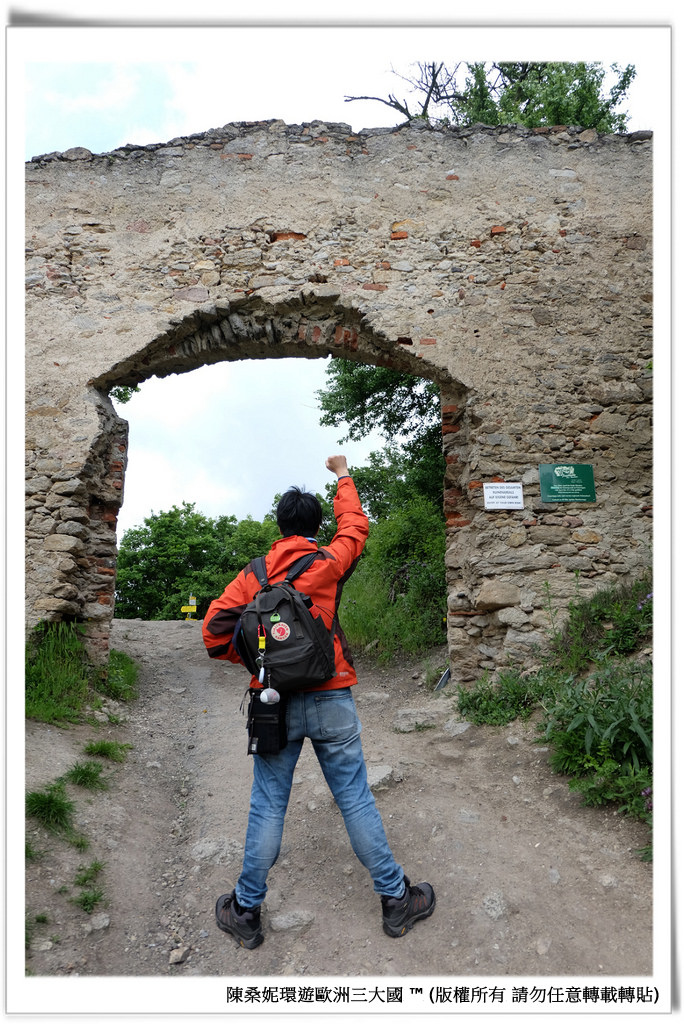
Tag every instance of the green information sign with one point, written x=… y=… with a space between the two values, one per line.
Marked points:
x=567 y=482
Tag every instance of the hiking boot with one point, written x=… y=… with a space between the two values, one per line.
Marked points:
x=399 y=915
x=243 y=924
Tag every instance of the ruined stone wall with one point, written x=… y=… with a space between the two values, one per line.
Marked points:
x=512 y=267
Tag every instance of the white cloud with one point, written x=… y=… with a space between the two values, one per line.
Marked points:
x=156 y=480
x=262 y=79
x=228 y=437
x=115 y=92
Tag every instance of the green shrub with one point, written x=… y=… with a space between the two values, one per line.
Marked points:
x=57 y=673
x=601 y=731
x=611 y=711
x=600 y=728
x=614 y=621
x=396 y=598
x=609 y=781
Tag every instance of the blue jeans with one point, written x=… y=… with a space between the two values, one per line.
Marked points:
x=329 y=719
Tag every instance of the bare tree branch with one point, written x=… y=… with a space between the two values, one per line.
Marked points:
x=390 y=102
x=432 y=86
x=434 y=82
x=438 y=81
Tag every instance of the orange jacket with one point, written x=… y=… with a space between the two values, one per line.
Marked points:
x=323 y=583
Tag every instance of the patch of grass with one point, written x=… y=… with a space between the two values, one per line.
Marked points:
x=91 y=895
x=502 y=700
x=86 y=875
x=60 y=679
x=86 y=774
x=51 y=807
x=433 y=674
x=57 y=673
x=79 y=842
x=89 y=899
x=119 y=679
x=31 y=853
x=109 y=749
x=615 y=621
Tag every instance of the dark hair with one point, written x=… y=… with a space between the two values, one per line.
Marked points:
x=299 y=513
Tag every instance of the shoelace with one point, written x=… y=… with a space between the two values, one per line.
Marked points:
x=415 y=892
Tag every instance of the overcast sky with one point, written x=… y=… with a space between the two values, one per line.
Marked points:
x=102 y=87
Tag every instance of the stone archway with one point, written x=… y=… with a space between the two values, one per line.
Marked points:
x=252 y=329
x=511 y=267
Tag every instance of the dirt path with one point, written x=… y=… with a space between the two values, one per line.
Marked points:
x=528 y=882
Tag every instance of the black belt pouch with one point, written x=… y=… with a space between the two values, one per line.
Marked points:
x=266 y=725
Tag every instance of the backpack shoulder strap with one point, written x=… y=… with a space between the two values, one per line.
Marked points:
x=301 y=565
x=258 y=567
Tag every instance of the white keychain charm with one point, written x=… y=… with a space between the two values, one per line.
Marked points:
x=269 y=696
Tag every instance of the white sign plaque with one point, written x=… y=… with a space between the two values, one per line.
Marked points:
x=503 y=495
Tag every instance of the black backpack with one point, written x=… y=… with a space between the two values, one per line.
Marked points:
x=278 y=634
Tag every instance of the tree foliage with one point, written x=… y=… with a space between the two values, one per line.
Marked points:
x=372 y=397
x=534 y=94
x=406 y=410
x=395 y=476
x=182 y=552
x=122 y=394
x=396 y=598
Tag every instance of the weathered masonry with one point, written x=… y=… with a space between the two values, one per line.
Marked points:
x=511 y=266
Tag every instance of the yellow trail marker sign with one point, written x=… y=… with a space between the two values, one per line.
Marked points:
x=191 y=607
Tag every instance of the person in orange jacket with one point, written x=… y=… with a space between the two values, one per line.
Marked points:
x=326 y=714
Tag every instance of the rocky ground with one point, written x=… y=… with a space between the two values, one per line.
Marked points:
x=528 y=881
